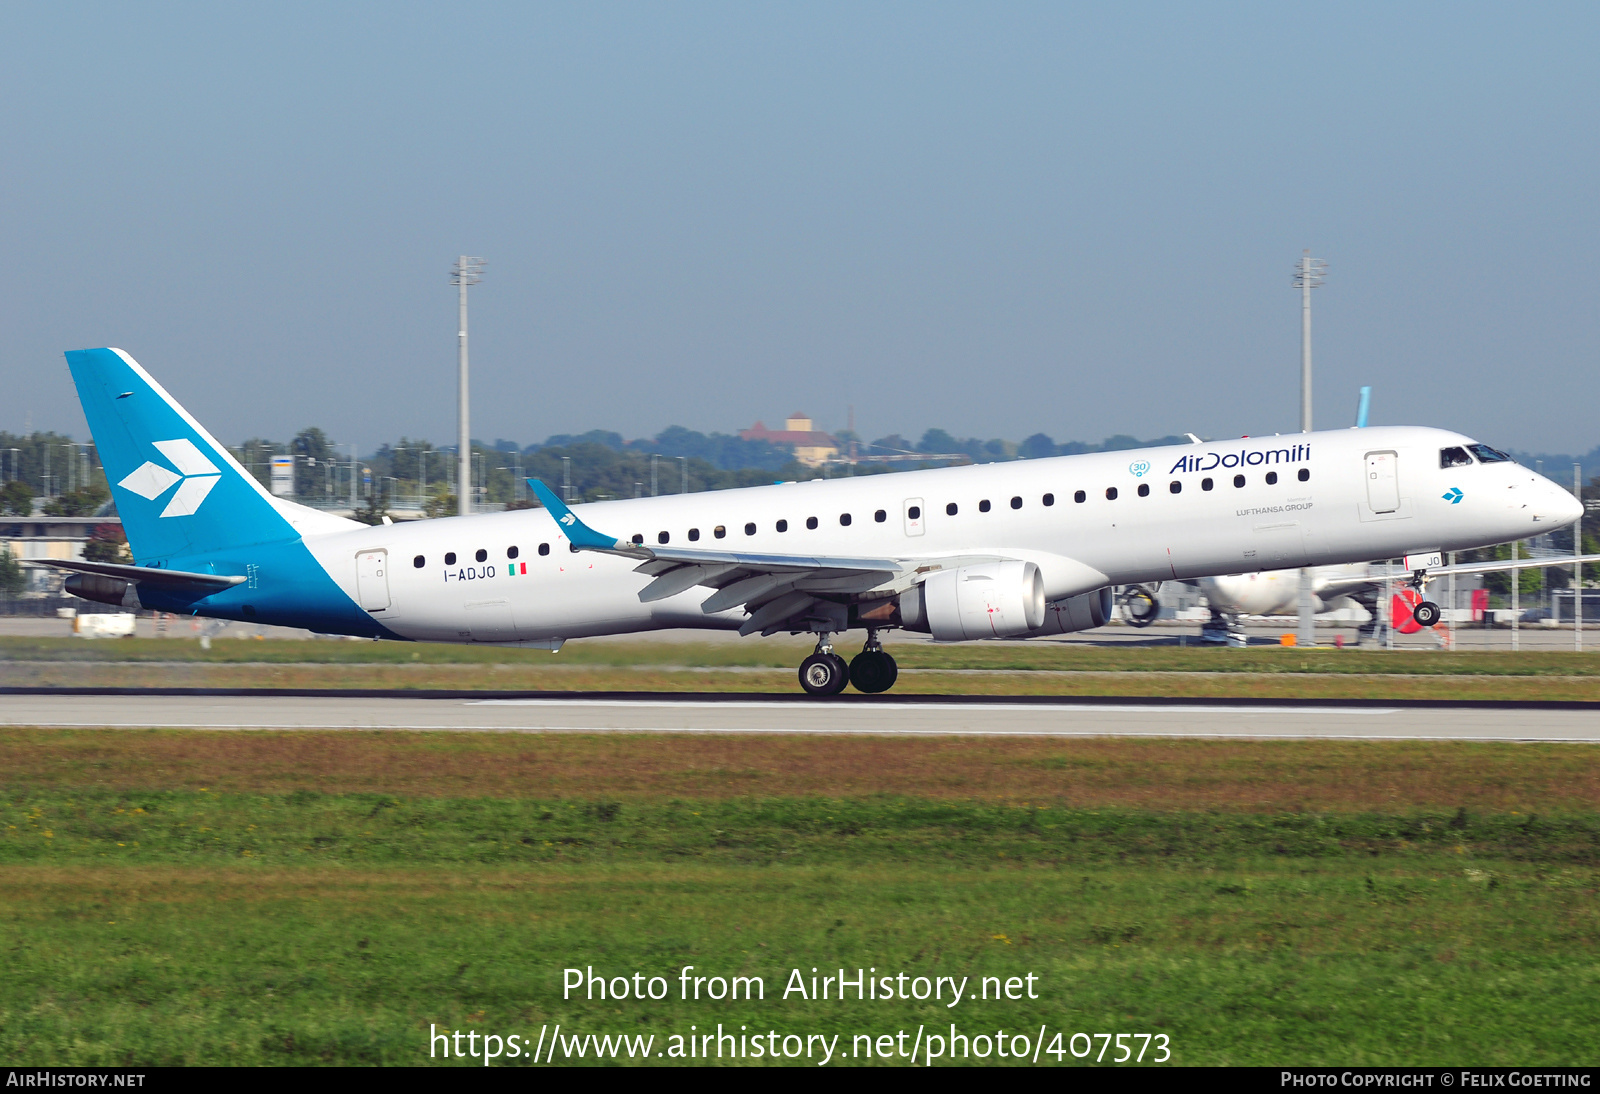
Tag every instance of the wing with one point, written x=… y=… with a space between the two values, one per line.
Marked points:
x=1519 y=564
x=1341 y=586
x=781 y=592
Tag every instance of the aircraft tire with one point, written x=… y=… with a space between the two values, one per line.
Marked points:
x=824 y=674
x=1426 y=614
x=873 y=671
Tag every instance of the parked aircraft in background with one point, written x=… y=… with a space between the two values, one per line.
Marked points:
x=1004 y=550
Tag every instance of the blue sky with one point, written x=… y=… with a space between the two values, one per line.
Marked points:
x=995 y=219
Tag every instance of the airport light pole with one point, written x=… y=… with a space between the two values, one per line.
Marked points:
x=467 y=271
x=1516 y=593
x=1308 y=274
x=683 y=464
x=1577 y=567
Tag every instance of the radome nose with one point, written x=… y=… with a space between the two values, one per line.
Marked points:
x=1562 y=506
x=1571 y=507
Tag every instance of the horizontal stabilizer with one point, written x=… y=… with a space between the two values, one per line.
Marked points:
x=145 y=575
x=114 y=583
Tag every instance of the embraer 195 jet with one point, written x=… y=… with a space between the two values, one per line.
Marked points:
x=1004 y=550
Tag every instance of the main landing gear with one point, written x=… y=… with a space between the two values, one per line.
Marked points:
x=825 y=672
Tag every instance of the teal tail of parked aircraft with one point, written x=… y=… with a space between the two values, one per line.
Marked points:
x=205 y=535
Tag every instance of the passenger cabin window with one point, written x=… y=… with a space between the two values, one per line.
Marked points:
x=880 y=516
x=482 y=555
x=749 y=529
x=914 y=512
x=1206 y=484
x=1016 y=503
x=1238 y=482
x=1144 y=490
x=1080 y=497
x=419 y=562
x=1175 y=487
x=1454 y=457
x=1305 y=474
x=1049 y=500
x=544 y=548
x=811 y=522
x=512 y=552
x=720 y=531
x=952 y=509
x=450 y=558
x=662 y=537
x=638 y=537
x=1272 y=478
x=983 y=506
x=1486 y=454
x=783 y=526
x=694 y=535
x=844 y=520
x=1111 y=493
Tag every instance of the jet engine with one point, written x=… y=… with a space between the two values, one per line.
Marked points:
x=991 y=600
x=1140 y=605
x=1076 y=613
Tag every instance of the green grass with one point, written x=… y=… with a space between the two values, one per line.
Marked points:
x=1042 y=656
x=168 y=925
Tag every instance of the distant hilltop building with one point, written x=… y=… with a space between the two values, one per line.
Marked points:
x=812 y=447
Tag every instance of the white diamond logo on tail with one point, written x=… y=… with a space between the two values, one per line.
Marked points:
x=199 y=475
x=149 y=481
x=186 y=457
x=190 y=495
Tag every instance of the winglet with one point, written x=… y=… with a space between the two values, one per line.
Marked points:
x=579 y=533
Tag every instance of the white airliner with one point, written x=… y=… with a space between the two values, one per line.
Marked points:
x=993 y=551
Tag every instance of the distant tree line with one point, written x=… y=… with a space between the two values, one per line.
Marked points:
x=54 y=467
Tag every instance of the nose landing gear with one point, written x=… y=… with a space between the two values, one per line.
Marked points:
x=1427 y=612
x=825 y=672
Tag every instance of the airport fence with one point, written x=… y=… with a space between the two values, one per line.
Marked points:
x=41 y=606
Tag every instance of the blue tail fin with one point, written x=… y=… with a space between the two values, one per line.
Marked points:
x=178 y=491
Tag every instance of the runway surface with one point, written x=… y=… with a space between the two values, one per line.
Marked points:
x=707 y=714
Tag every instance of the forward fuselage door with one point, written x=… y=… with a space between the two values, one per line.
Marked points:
x=372 y=580
x=1383 y=482
x=915 y=516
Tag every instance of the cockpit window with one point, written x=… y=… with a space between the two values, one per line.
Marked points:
x=1486 y=454
x=1454 y=457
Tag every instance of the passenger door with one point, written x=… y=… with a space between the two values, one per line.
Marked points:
x=372 y=580
x=1383 y=482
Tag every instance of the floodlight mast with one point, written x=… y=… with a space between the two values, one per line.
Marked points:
x=1308 y=274
x=467 y=271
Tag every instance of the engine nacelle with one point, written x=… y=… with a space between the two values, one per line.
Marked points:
x=1076 y=613
x=991 y=600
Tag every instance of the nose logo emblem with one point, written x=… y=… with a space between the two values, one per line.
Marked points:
x=1453 y=495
